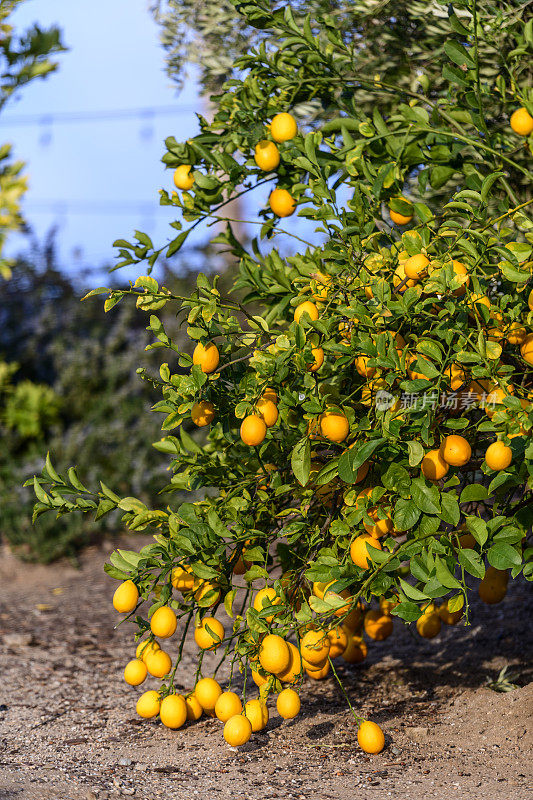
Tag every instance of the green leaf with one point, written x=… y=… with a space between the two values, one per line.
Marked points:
x=472 y=562
x=473 y=492
x=443 y=574
x=458 y=54
x=450 y=508
x=478 y=528
x=354 y=457
x=504 y=556
x=407 y=611
x=416 y=453
x=301 y=461
x=412 y=591
x=425 y=496
x=406 y=515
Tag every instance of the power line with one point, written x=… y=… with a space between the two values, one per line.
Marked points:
x=146 y=112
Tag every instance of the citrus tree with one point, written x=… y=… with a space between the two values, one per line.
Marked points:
x=363 y=398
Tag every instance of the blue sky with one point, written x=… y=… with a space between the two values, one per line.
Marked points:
x=80 y=174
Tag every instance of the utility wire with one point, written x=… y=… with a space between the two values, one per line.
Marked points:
x=61 y=117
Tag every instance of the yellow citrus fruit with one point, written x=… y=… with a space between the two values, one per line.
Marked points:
x=526 y=349
x=497 y=575
x=173 y=711
x=283 y=127
x=460 y=271
x=356 y=650
x=381 y=527
x=498 y=456
x=194 y=709
x=204 y=639
x=288 y=704
x=429 y=624
x=517 y=334
x=400 y=279
x=207 y=588
x=145 y=647
x=338 y=641
x=237 y=730
x=315 y=647
x=378 y=625
x=148 y=704
x=492 y=590
x=207 y=691
x=266 y=155
x=416 y=266
x=334 y=426
x=183 y=579
x=274 y=654
x=270 y=394
x=258 y=679
x=359 y=552
x=292 y=673
x=163 y=622
x=253 y=430
x=455 y=375
x=455 y=450
x=400 y=219
x=307 y=307
x=522 y=122
x=318 y=355
x=449 y=617
x=135 y=672
x=268 y=411
x=159 y=663
x=126 y=597
x=202 y=413
x=282 y=203
x=206 y=357
x=266 y=597
x=228 y=704
x=387 y=604
x=362 y=367
x=256 y=711
x=319 y=674
x=182 y=177
x=370 y=737
x=433 y=466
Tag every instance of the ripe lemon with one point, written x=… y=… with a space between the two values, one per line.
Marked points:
x=274 y=654
x=416 y=266
x=522 y=122
x=359 y=552
x=381 y=527
x=266 y=155
x=318 y=355
x=315 y=647
x=433 y=466
x=356 y=650
x=491 y=590
x=429 y=624
x=183 y=178
x=283 y=127
x=270 y=394
x=253 y=430
x=282 y=203
x=207 y=691
x=293 y=671
x=455 y=450
x=173 y=711
x=126 y=597
x=498 y=456
x=163 y=622
x=194 y=709
x=516 y=334
x=307 y=307
x=400 y=219
x=204 y=639
x=207 y=588
x=202 y=413
x=206 y=356
x=183 y=579
x=361 y=365
x=256 y=711
x=145 y=647
x=455 y=375
x=370 y=737
x=228 y=704
x=319 y=674
x=461 y=271
x=158 y=664
x=268 y=411
x=135 y=672
x=449 y=617
x=266 y=597
x=288 y=704
x=378 y=625
x=334 y=426
x=387 y=604
x=258 y=679
x=338 y=641
x=526 y=349
x=237 y=730
x=148 y=704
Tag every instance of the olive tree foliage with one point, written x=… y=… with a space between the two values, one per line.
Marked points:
x=291 y=503
x=23 y=58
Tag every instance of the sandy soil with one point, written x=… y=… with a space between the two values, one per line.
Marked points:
x=68 y=728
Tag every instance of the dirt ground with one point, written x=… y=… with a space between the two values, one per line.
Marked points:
x=68 y=727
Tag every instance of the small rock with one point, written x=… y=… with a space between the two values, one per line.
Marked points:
x=141 y=767
x=125 y=762
x=418 y=733
x=18 y=639
x=90 y=795
x=396 y=751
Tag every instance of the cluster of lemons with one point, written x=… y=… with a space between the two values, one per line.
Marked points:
x=276 y=663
